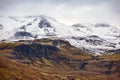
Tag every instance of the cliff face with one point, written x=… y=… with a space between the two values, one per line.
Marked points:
x=50 y=59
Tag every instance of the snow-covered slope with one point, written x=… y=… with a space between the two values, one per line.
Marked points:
x=93 y=38
x=96 y=38
x=32 y=27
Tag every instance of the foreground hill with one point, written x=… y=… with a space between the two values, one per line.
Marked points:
x=54 y=59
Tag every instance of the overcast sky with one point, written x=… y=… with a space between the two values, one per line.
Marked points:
x=66 y=11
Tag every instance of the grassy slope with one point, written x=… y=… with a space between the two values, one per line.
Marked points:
x=58 y=66
x=11 y=70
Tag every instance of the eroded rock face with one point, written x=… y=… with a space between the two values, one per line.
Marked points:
x=34 y=51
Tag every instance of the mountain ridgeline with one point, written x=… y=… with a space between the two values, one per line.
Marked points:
x=95 y=39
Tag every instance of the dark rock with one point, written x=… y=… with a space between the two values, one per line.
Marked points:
x=102 y=25
x=21 y=34
x=44 y=23
x=83 y=64
x=1 y=26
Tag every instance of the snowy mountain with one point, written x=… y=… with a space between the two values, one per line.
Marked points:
x=94 y=38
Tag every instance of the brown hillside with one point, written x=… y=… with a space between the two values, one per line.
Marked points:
x=49 y=59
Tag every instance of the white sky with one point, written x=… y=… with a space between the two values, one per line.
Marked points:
x=66 y=11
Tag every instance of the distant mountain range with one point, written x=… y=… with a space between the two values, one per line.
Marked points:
x=97 y=38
